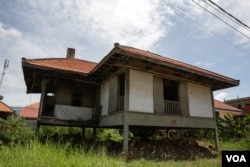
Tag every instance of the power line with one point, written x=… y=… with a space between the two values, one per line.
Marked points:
x=226 y=15
x=227 y=41
x=229 y=14
x=221 y=20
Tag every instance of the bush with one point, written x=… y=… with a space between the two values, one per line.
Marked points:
x=109 y=134
x=15 y=130
x=233 y=127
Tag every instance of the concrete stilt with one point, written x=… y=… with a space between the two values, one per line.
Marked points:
x=125 y=138
x=83 y=132
x=216 y=139
x=37 y=129
x=94 y=134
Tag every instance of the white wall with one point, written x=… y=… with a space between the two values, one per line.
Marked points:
x=105 y=97
x=200 y=102
x=140 y=91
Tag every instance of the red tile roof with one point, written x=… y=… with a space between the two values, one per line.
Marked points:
x=5 y=108
x=223 y=106
x=30 y=111
x=176 y=63
x=98 y=71
x=75 y=65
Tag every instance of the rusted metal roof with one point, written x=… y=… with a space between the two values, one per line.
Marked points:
x=30 y=111
x=5 y=108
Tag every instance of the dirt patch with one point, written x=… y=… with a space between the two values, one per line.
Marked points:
x=168 y=149
x=164 y=149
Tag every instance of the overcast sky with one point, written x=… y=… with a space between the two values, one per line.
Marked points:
x=178 y=29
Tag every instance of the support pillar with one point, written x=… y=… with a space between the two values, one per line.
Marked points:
x=125 y=138
x=216 y=139
x=83 y=132
x=37 y=129
x=94 y=134
x=125 y=133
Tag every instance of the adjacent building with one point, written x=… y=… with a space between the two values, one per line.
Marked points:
x=5 y=110
x=222 y=109
x=30 y=114
x=240 y=103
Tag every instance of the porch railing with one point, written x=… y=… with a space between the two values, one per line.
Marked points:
x=172 y=107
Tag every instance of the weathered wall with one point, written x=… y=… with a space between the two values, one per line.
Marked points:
x=65 y=91
x=222 y=112
x=104 y=100
x=140 y=91
x=200 y=101
x=65 y=112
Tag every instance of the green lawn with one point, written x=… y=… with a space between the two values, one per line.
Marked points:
x=37 y=154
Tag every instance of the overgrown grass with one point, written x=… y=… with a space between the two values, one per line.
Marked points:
x=49 y=154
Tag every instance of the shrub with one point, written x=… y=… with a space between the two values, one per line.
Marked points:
x=233 y=127
x=15 y=130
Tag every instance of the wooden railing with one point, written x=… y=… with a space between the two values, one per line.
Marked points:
x=172 y=107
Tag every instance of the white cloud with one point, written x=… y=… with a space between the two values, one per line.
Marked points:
x=139 y=23
x=205 y=65
x=47 y=28
x=8 y=32
x=221 y=96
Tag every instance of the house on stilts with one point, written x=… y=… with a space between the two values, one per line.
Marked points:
x=129 y=88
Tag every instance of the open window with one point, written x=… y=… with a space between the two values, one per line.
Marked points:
x=170 y=89
x=77 y=100
x=49 y=102
x=171 y=96
x=121 y=91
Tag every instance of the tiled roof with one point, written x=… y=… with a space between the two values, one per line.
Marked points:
x=176 y=63
x=5 y=108
x=74 y=65
x=30 y=111
x=223 y=106
x=116 y=59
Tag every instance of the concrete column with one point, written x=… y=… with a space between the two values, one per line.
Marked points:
x=83 y=132
x=94 y=134
x=37 y=129
x=216 y=139
x=125 y=138
x=125 y=133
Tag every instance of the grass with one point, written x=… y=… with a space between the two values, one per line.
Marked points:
x=37 y=154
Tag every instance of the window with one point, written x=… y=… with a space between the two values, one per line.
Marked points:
x=49 y=102
x=122 y=85
x=217 y=114
x=170 y=89
x=77 y=100
x=171 y=97
x=121 y=91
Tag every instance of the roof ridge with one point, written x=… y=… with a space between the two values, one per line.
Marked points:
x=59 y=58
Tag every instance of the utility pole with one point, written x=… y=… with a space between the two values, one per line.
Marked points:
x=6 y=65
